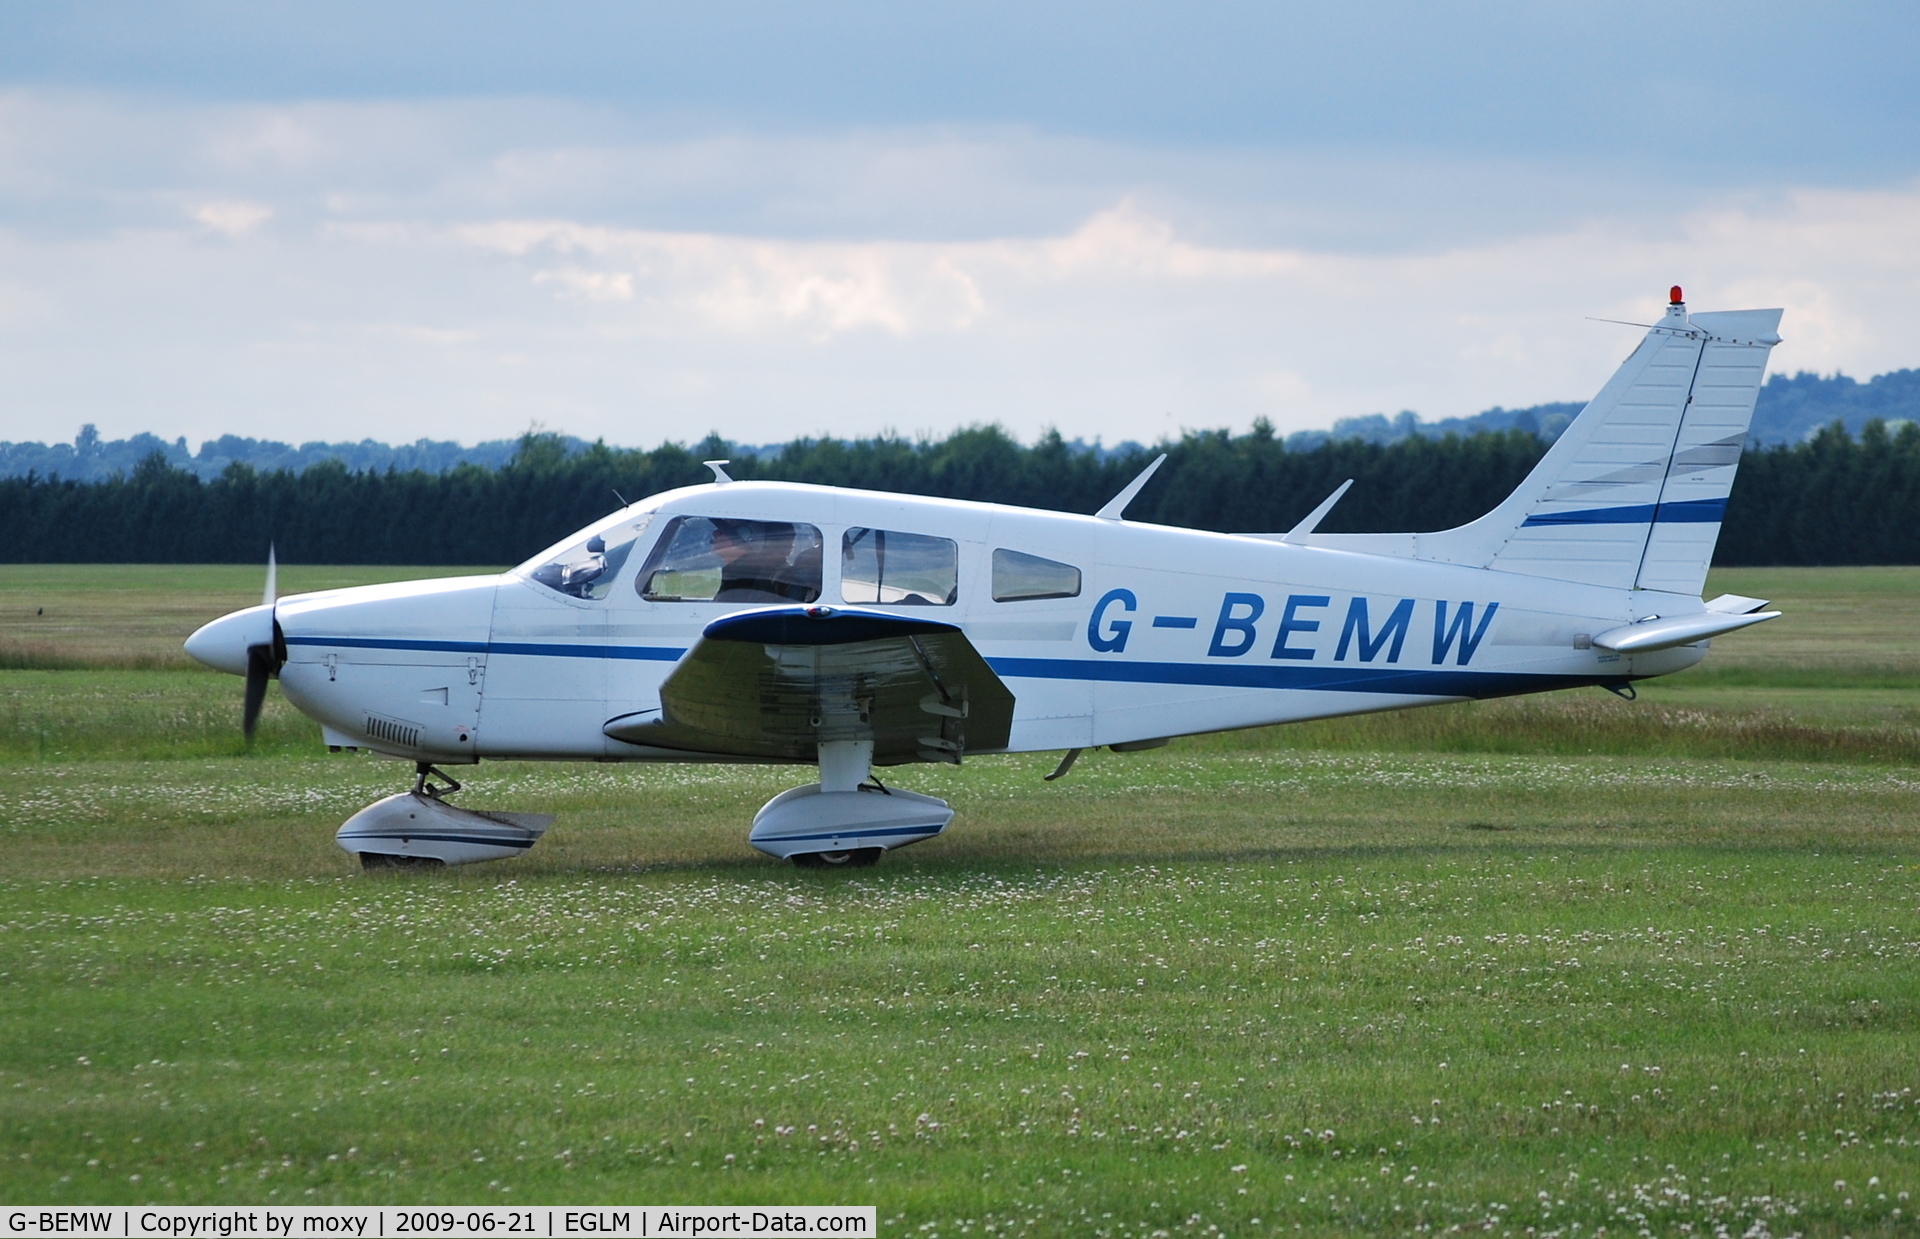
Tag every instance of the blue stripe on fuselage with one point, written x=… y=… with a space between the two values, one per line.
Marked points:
x=643 y=653
x=1395 y=680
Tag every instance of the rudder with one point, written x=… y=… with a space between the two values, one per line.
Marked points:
x=1706 y=452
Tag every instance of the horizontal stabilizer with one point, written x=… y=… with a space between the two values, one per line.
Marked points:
x=1664 y=634
x=1735 y=604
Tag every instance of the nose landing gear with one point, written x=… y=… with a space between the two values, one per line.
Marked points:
x=423 y=774
x=419 y=829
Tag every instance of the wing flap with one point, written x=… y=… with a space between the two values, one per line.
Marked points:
x=774 y=682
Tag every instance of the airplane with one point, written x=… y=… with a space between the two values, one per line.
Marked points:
x=775 y=622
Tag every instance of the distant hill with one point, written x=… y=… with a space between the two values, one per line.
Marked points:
x=1544 y=420
x=1791 y=410
x=89 y=458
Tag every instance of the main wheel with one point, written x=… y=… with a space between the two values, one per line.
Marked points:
x=853 y=858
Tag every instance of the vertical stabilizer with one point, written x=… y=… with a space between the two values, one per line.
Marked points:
x=1632 y=494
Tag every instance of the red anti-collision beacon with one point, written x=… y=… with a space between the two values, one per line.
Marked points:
x=1673 y=296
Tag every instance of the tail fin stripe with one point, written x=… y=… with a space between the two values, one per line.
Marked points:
x=1692 y=512
x=1638 y=514
x=1681 y=511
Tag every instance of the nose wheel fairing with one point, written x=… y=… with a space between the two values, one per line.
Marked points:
x=419 y=827
x=411 y=829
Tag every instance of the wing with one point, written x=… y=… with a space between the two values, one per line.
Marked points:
x=772 y=683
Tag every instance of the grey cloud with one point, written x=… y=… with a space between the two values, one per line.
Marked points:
x=1825 y=93
x=79 y=161
x=325 y=269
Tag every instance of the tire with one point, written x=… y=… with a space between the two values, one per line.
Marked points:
x=383 y=860
x=853 y=858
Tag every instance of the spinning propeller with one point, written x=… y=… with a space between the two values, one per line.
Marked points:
x=264 y=660
x=247 y=643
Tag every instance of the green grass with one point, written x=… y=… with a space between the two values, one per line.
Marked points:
x=1600 y=976
x=1846 y=624
x=172 y=715
x=1644 y=965
x=57 y=617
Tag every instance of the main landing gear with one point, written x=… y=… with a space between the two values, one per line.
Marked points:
x=845 y=820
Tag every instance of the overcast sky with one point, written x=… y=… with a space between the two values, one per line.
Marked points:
x=392 y=220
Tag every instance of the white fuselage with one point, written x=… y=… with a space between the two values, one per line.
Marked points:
x=1172 y=632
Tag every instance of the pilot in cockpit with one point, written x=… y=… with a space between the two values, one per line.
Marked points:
x=757 y=563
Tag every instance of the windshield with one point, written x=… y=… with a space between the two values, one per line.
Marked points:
x=587 y=568
x=721 y=559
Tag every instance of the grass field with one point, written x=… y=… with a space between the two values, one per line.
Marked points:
x=1544 y=967
x=120 y=616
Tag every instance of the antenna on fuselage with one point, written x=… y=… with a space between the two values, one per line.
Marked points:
x=1311 y=521
x=1118 y=504
x=720 y=477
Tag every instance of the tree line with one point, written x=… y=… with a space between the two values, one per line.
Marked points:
x=1833 y=499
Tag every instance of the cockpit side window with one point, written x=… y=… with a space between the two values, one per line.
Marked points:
x=899 y=569
x=720 y=559
x=587 y=569
x=1020 y=577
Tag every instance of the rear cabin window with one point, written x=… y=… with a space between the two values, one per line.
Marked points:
x=1020 y=577
x=718 y=559
x=898 y=569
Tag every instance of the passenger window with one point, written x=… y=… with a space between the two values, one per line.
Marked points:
x=717 y=559
x=1020 y=577
x=587 y=568
x=898 y=569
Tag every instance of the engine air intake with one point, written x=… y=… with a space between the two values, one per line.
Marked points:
x=406 y=735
